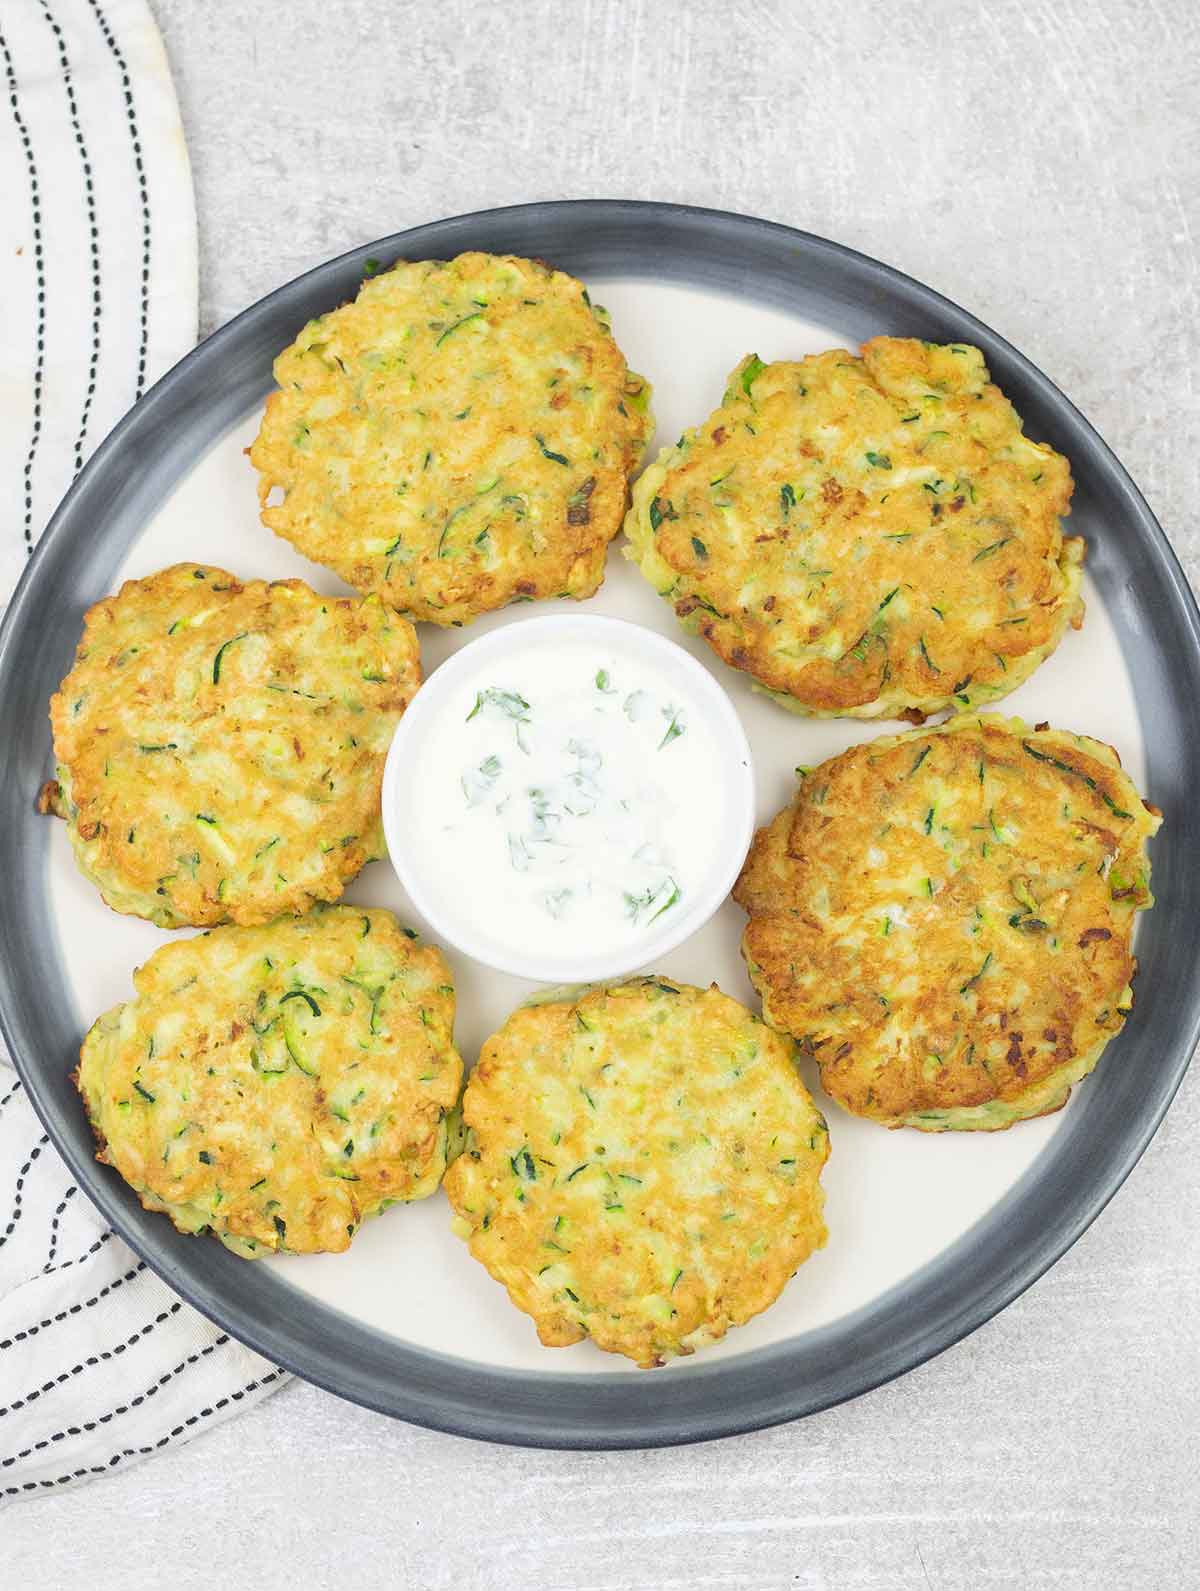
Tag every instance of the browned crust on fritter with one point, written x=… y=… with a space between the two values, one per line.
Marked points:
x=944 y=918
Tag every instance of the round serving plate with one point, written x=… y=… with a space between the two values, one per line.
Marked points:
x=929 y=1235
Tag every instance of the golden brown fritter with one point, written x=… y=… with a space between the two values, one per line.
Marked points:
x=945 y=918
x=458 y=438
x=641 y=1166
x=867 y=537
x=276 y=1086
x=220 y=745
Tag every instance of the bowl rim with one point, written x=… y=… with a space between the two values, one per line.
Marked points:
x=723 y=870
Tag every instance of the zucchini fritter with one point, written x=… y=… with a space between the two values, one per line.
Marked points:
x=458 y=438
x=867 y=537
x=944 y=918
x=275 y=1086
x=220 y=746
x=640 y=1168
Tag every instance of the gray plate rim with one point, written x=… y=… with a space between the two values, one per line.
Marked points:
x=985 y=1269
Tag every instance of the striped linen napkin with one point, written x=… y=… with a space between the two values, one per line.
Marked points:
x=100 y=1363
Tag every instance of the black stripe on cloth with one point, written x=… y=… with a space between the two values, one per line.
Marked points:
x=39 y=265
x=92 y=1360
x=143 y=192
x=65 y=1265
x=122 y=1408
x=12 y=1093
x=89 y=197
x=75 y=1309
x=18 y=1205
x=54 y=1222
x=153 y=1447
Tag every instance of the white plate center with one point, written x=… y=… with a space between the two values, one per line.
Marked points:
x=895 y=1200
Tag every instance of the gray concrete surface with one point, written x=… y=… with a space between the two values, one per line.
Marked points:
x=1037 y=161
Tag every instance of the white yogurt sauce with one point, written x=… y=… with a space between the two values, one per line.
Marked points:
x=568 y=799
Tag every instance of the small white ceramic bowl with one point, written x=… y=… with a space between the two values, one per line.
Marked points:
x=459 y=922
